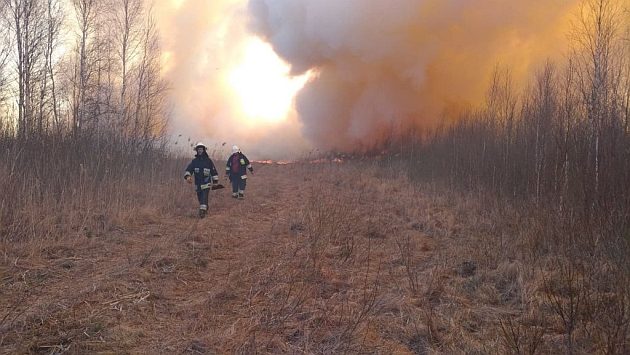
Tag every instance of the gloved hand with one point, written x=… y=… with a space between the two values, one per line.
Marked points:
x=189 y=179
x=251 y=170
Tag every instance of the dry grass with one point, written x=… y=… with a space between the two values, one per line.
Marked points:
x=337 y=258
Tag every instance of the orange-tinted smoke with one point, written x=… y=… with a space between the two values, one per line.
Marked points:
x=400 y=64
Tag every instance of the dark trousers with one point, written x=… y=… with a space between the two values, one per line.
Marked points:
x=238 y=184
x=202 y=196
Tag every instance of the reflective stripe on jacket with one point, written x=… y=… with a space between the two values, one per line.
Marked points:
x=203 y=169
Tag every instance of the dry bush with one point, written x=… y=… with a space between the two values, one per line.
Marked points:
x=329 y=222
x=567 y=293
x=408 y=258
x=522 y=336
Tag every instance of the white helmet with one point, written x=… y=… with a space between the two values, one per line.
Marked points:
x=235 y=149
x=200 y=145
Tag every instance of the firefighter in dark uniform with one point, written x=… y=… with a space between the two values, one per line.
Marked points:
x=205 y=175
x=236 y=169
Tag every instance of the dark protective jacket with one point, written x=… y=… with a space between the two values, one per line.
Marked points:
x=237 y=165
x=203 y=170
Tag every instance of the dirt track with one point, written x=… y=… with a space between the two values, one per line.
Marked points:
x=311 y=261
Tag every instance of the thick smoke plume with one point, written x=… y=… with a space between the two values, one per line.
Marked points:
x=376 y=66
x=384 y=65
x=203 y=41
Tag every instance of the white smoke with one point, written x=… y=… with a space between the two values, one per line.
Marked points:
x=203 y=41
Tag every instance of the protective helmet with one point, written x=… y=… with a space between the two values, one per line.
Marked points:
x=235 y=149
x=200 y=145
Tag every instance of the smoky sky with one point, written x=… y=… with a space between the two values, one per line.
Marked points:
x=384 y=65
x=376 y=65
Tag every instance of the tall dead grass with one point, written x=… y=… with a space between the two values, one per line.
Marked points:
x=522 y=280
x=60 y=188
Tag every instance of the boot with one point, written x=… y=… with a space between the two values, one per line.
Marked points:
x=234 y=195
x=202 y=213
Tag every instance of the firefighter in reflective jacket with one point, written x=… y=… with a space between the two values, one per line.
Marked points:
x=236 y=169
x=205 y=175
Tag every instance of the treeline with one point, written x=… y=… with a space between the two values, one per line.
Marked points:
x=84 y=68
x=562 y=142
x=83 y=111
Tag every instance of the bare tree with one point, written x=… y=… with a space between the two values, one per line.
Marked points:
x=48 y=92
x=501 y=103
x=104 y=108
x=599 y=57
x=567 y=122
x=149 y=118
x=545 y=110
x=27 y=23
x=86 y=14
x=625 y=65
x=5 y=49
x=127 y=21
